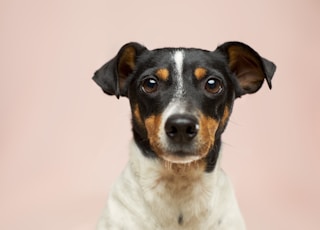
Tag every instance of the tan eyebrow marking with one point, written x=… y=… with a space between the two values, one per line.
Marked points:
x=200 y=73
x=163 y=74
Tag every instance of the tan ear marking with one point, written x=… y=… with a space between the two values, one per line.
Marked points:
x=126 y=64
x=246 y=67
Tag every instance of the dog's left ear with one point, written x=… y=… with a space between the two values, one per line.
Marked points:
x=249 y=68
x=112 y=77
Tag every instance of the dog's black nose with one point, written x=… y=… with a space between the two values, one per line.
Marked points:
x=181 y=128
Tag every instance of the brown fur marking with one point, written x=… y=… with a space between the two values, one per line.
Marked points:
x=137 y=115
x=126 y=65
x=246 y=68
x=225 y=117
x=152 y=124
x=163 y=74
x=208 y=128
x=200 y=73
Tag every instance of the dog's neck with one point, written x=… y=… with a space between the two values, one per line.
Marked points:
x=176 y=185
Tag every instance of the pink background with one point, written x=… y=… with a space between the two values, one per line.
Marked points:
x=63 y=142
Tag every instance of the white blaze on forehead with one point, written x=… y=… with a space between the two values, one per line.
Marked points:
x=176 y=105
x=178 y=57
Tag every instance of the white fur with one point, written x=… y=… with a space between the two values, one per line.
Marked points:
x=148 y=196
x=178 y=58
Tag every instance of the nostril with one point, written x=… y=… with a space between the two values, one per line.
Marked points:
x=192 y=130
x=171 y=131
x=181 y=128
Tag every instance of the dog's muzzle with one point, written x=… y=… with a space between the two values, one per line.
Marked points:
x=180 y=142
x=181 y=134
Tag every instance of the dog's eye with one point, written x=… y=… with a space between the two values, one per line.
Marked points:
x=150 y=85
x=213 y=85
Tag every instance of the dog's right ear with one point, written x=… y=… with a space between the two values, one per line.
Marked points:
x=112 y=76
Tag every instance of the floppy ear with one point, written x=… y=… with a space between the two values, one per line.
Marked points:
x=113 y=75
x=249 y=68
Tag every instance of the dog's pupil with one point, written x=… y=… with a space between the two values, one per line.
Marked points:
x=211 y=83
x=213 y=86
x=150 y=85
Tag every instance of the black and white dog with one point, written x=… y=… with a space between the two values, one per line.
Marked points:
x=181 y=100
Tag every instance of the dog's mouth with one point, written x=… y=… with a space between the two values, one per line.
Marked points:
x=195 y=150
x=180 y=157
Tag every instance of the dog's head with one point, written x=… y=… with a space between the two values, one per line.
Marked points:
x=180 y=98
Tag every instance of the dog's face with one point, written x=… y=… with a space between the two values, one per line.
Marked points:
x=181 y=98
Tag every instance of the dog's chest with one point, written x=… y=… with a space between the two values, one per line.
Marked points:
x=183 y=200
x=149 y=195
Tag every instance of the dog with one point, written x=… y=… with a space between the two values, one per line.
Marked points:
x=181 y=100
